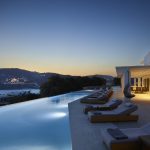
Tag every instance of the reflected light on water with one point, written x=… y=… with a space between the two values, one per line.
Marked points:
x=38 y=147
x=54 y=115
x=62 y=106
x=41 y=124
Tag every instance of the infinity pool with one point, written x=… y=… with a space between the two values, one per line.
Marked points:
x=41 y=124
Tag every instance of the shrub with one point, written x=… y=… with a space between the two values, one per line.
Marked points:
x=59 y=85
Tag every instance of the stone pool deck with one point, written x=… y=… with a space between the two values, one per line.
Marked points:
x=87 y=136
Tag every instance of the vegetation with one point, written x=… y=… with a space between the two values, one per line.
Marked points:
x=55 y=85
x=26 y=96
x=59 y=85
x=117 y=81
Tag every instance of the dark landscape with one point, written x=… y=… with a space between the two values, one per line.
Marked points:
x=50 y=84
x=14 y=78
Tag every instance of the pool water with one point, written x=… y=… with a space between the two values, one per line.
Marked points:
x=4 y=93
x=41 y=124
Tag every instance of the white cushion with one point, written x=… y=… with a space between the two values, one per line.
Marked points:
x=128 y=104
x=114 y=100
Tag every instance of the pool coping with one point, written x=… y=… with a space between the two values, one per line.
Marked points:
x=84 y=135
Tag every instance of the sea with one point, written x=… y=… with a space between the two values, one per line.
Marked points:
x=5 y=93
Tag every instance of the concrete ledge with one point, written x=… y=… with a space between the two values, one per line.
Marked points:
x=85 y=135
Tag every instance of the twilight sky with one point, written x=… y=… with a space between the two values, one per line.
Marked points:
x=77 y=37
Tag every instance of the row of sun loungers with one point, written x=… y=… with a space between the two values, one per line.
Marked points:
x=112 y=111
x=100 y=97
x=116 y=110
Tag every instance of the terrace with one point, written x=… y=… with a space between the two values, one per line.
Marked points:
x=136 y=76
x=86 y=135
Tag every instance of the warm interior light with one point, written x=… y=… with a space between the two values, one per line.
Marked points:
x=145 y=96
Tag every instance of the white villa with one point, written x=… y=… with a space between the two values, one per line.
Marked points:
x=138 y=77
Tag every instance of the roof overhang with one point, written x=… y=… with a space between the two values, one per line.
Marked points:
x=136 y=71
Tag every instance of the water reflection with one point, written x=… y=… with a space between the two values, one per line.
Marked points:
x=37 y=125
x=55 y=115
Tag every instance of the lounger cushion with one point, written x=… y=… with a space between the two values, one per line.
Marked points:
x=121 y=110
x=117 y=134
x=128 y=104
x=97 y=113
x=114 y=100
x=113 y=103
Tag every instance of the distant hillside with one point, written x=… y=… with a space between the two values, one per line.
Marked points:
x=109 y=79
x=18 y=78
x=14 y=78
x=106 y=77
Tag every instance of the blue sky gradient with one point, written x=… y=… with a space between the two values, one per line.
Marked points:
x=77 y=37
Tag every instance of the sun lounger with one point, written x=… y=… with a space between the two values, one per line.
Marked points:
x=100 y=99
x=117 y=134
x=112 y=104
x=120 y=114
x=94 y=94
x=132 y=140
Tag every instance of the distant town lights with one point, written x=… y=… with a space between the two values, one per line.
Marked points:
x=14 y=80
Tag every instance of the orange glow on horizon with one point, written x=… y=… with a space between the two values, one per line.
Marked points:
x=70 y=71
x=75 y=72
x=61 y=67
